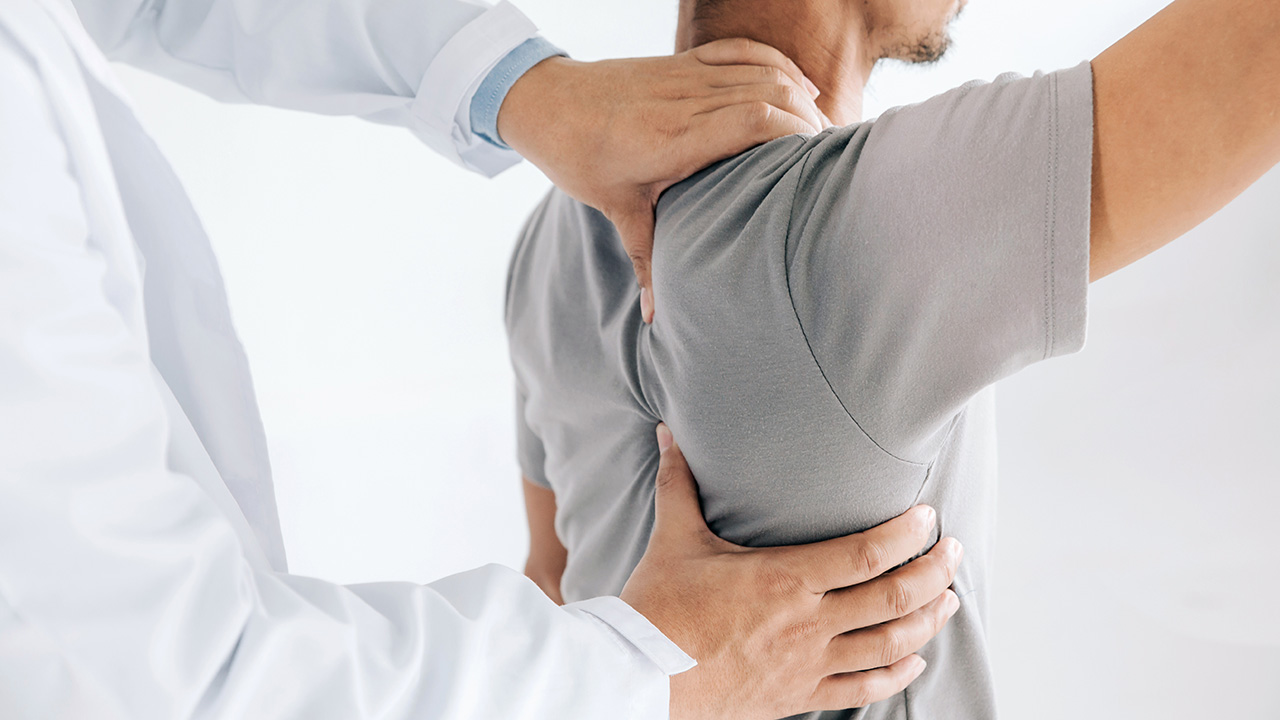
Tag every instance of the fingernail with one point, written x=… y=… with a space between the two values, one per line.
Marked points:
x=953 y=603
x=664 y=437
x=813 y=89
x=646 y=304
x=930 y=516
x=955 y=549
x=922 y=665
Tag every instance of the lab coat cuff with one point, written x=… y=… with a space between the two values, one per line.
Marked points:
x=442 y=108
x=637 y=631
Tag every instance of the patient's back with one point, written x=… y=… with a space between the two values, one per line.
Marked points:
x=831 y=312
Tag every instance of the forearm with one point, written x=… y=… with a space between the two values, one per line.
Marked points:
x=412 y=63
x=1187 y=111
x=547 y=555
x=546 y=577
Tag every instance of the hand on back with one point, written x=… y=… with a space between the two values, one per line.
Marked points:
x=780 y=631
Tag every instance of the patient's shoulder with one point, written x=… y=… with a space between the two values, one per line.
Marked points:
x=565 y=252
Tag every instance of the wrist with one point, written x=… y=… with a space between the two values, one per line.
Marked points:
x=491 y=94
x=530 y=107
x=658 y=611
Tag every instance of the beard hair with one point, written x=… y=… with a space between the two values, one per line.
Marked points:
x=921 y=50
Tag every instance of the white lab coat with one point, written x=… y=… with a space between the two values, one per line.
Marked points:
x=142 y=574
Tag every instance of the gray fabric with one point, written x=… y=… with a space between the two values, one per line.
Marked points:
x=831 y=314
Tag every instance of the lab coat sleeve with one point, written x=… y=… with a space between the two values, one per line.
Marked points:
x=414 y=63
x=124 y=589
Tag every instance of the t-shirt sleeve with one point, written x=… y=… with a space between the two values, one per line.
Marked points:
x=529 y=449
x=943 y=247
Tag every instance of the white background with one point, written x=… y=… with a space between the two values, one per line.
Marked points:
x=1137 y=575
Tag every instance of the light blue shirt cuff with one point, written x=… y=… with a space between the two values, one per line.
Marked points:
x=493 y=90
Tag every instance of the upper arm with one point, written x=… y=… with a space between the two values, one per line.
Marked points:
x=315 y=55
x=944 y=247
x=412 y=63
x=1187 y=117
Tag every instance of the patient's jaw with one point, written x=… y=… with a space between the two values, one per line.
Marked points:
x=914 y=31
x=835 y=42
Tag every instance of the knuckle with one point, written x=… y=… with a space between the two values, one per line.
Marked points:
x=893 y=646
x=801 y=630
x=675 y=130
x=940 y=619
x=860 y=695
x=741 y=46
x=668 y=126
x=759 y=115
x=946 y=570
x=953 y=560
x=777 y=579
x=944 y=611
x=898 y=597
x=870 y=559
x=791 y=97
x=639 y=258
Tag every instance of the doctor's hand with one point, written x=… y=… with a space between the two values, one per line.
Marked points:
x=785 y=630
x=614 y=134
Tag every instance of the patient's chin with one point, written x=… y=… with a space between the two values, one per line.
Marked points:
x=920 y=49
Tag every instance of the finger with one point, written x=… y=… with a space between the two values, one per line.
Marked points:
x=728 y=76
x=636 y=228
x=735 y=128
x=886 y=644
x=787 y=98
x=857 y=558
x=826 y=121
x=895 y=594
x=854 y=690
x=741 y=51
x=677 y=509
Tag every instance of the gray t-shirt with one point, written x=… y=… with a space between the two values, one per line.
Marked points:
x=831 y=313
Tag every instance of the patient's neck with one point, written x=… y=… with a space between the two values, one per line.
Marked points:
x=829 y=41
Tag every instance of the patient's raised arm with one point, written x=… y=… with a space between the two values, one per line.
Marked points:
x=1187 y=111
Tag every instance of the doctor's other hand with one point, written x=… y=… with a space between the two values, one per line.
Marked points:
x=785 y=630
x=614 y=134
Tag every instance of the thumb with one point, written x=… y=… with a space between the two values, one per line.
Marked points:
x=677 y=510
x=635 y=225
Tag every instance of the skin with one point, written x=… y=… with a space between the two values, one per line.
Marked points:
x=778 y=631
x=835 y=43
x=614 y=134
x=1187 y=116
x=547 y=555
